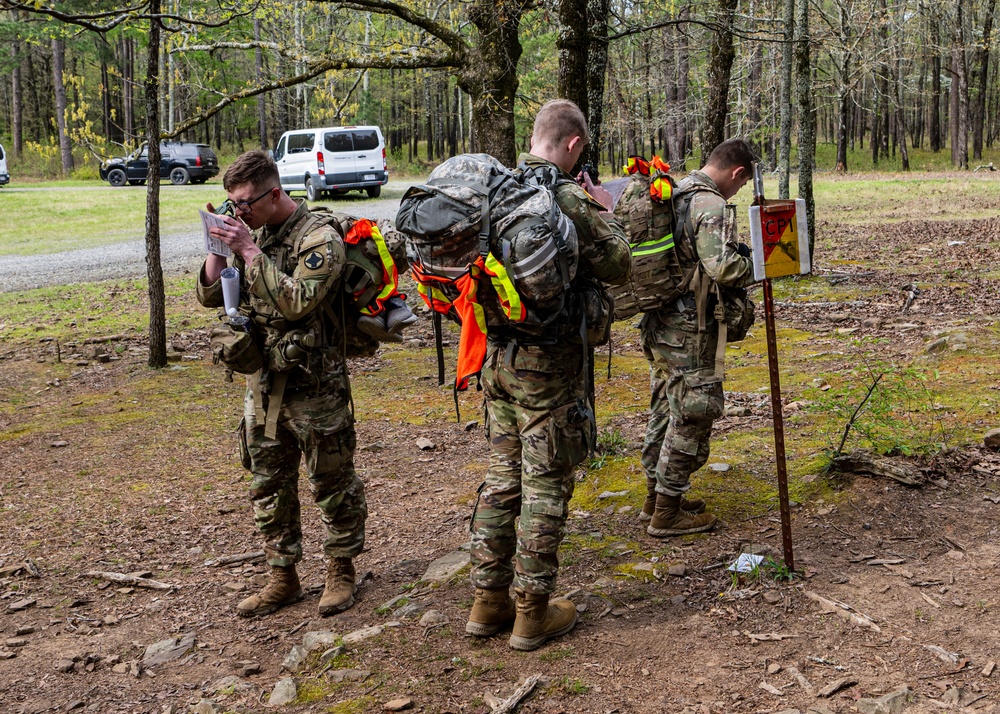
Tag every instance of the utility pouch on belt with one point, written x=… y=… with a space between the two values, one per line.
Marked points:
x=739 y=313
x=236 y=349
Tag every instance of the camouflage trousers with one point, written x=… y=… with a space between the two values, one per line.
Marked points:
x=306 y=428
x=686 y=398
x=539 y=430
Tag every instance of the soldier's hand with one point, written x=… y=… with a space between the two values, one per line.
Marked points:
x=744 y=250
x=598 y=193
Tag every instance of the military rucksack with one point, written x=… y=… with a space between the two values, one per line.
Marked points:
x=663 y=264
x=476 y=230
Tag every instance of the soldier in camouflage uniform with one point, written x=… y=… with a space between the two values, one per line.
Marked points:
x=686 y=385
x=299 y=403
x=539 y=417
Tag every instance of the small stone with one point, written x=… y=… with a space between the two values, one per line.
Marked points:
x=234 y=587
x=168 y=650
x=24 y=630
x=736 y=411
x=871 y=322
x=398 y=705
x=294 y=659
x=611 y=494
x=678 y=599
x=720 y=467
x=425 y=444
x=643 y=567
x=15 y=642
x=110 y=620
x=433 y=618
x=892 y=703
x=835 y=686
x=75 y=704
x=249 y=670
x=206 y=706
x=937 y=345
x=375 y=446
x=624 y=509
x=992 y=439
x=21 y=605
x=772 y=597
x=7 y=654
x=348 y=675
x=470 y=425
x=446 y=566
x=319 y=640
x=410 y=609
x=677 y=570
x=363 y=634
x=955 y=554
x=773 y=668
x=65 y=665
x=60 y=444
x=284 y=692
x=837 y=316
x=120 y=668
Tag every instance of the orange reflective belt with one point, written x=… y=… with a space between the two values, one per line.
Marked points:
x=472 y=341
x=510 y=300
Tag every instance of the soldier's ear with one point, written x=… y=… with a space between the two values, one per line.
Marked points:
x=738 y=172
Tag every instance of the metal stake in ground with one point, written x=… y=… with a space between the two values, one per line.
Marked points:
x=779 y=427
x=780 y=241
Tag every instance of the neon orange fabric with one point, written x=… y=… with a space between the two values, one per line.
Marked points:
x=636 y=164
x=364 y=229
x=472 y=341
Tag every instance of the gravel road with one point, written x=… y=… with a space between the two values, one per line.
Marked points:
x=178 y=252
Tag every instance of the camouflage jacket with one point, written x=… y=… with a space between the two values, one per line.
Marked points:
x=604 y=251
x=713 y=222
x=285 y=293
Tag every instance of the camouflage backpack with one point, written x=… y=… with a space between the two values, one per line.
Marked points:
x=477 y=229
x=663 y=265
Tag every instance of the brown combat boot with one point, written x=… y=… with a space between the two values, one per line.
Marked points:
x=537 y=621
x=691 y=505
x=670 y=520
x=282 y=589
x=492 y=611
x=338 y=595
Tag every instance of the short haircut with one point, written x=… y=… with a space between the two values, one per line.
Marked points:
x=732 y=153
x=558 y=120
x=254 y=167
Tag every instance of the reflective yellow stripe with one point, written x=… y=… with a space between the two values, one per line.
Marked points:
x=388 y=273
x=510 y=301
x=651 y=247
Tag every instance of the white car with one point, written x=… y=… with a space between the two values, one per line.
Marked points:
x=333 y=160
x=4 y=175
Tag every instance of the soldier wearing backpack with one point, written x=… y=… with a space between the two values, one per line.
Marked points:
x=293 y=265
x=539 y=418
x=684 y=342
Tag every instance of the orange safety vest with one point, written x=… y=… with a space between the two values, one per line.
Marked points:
x=364 y=229
x=660 y=188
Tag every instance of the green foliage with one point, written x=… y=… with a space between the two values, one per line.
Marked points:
x=610 y=443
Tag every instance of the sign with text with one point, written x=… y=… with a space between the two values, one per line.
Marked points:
x=779 y=236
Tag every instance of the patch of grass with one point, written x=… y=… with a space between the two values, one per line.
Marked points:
x=358 y=705
x=569 y=686
x=555 y=655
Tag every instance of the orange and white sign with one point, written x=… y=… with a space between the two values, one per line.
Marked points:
x=779 y=236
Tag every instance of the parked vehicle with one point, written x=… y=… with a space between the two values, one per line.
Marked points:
x=181 y=162
x=333 y=160
x=4 y=174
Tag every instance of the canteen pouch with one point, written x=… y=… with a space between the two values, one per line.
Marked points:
x=739 y=314
x=235 y=349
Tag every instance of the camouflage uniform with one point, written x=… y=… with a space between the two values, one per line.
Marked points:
x=538 y=420
x=687 y=394
x=285 y=293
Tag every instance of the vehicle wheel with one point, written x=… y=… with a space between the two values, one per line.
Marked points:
x=179 y=176
x=116 y=177
x=311 y=193
x=374 y=191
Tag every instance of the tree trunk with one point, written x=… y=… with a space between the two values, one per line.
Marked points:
x=807 y=118
x=572 y=49
x=597 y=67
x=934 y=125
x=844 y=100
x=983 y=65
x=721 y=55
x=261 y=102
x=58 y=62
x=785 y=102
x=15 y=86
x=960 y=90
x=128 y=81
x=154 y=268
x=490 y=76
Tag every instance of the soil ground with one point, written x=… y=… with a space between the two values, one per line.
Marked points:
x=107 y=467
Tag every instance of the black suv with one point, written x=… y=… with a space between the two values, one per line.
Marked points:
x=181 y=162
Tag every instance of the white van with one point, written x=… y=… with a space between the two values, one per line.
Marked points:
x=333 y=160
x=4 y=175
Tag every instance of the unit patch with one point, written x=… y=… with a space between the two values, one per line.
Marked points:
x=314 y=261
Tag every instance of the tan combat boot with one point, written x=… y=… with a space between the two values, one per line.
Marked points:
x=282 y=589
x=537 y=621
x=691 y=505
x=338 y=595
x=670 y=520
x=492 y=610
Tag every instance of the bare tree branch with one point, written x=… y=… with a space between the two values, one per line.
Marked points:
x=454 y=41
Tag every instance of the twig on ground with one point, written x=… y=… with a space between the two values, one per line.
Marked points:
x=129 y=580
x=844 y=612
